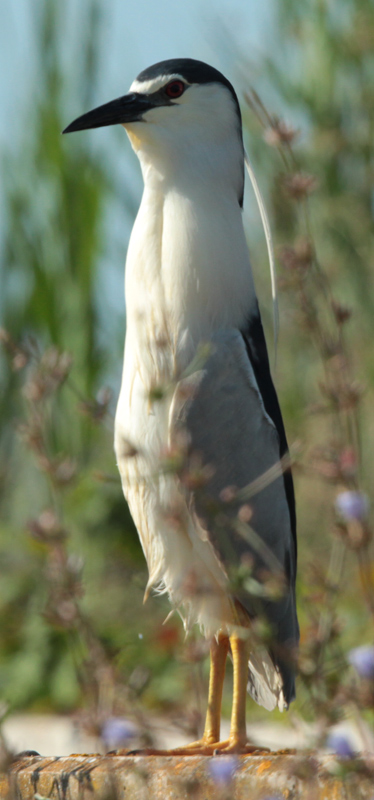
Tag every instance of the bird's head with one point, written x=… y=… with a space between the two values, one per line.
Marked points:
x=179 y=114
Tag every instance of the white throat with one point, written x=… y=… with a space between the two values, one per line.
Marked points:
x=188 y=270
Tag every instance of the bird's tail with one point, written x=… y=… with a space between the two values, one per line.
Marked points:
x=265 y=683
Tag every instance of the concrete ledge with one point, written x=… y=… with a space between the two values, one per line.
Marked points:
x=95 y=777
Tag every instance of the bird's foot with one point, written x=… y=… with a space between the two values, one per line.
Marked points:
x=203 y=747
x=236 y=746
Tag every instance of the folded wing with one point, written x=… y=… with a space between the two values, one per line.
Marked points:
x=232 y=434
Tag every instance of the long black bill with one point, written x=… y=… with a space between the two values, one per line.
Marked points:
x=129 y=108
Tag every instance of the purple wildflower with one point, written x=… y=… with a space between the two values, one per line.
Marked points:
x=352 y=505
x=272 y=797
x=340 y=745
x=117 y=731
x=362 y=658
x=223 y=768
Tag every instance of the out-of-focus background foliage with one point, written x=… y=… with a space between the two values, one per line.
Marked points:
x=74 y=631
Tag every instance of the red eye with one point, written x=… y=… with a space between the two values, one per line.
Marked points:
x=175 y=89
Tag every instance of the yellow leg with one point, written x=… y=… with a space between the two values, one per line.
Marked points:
x=237 y=741
x=238 y=732
x=218 y=655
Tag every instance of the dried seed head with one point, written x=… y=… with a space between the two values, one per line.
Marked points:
x=20 y=361
x=228 y=494
x=47 y=526
x=279 y=133
x=98 y=407
x=300 y=185
x=245 y=513
x=348 y=462
x=342 y=313
x=20 y=355
x=5 y=337
x=67 y=611
x=64 y=471
x=298 y=257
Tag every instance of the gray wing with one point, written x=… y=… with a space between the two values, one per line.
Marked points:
x=230 y=430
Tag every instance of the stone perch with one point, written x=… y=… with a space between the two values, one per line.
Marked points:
x=262 y=777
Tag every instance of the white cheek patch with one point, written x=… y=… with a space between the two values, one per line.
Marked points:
x=154 y=85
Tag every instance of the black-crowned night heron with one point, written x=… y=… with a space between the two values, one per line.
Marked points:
x=188 y=282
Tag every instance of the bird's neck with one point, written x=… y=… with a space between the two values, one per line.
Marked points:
x=188 y=272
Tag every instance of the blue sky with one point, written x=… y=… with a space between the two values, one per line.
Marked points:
x=135 y=34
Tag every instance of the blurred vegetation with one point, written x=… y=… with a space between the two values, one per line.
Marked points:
x=75 y=633
x=316 y=159
x=74 y=630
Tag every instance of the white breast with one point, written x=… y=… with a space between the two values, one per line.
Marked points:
x=187 y=275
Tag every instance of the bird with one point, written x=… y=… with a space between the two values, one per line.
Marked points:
x=199 y=435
